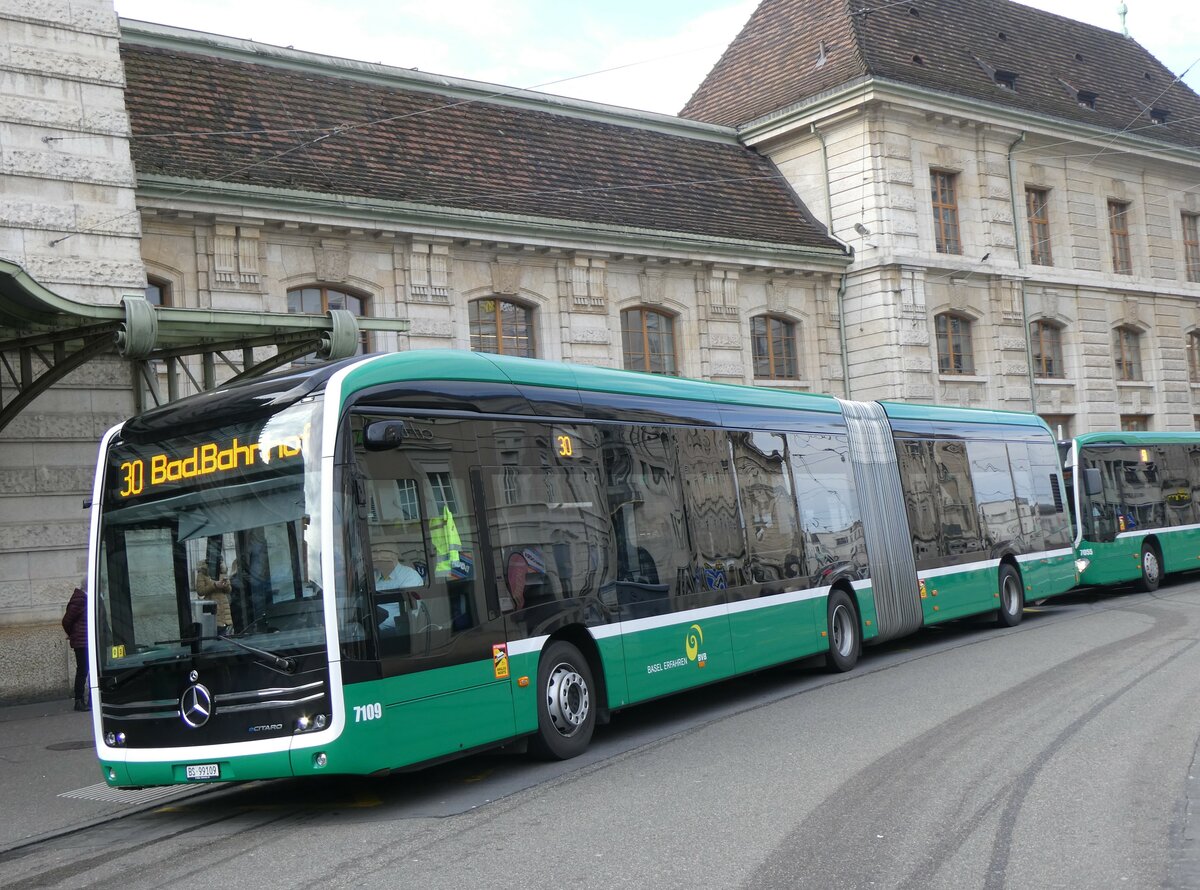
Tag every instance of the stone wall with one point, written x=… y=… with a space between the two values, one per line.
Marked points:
x=68 y=217
x=576 y=295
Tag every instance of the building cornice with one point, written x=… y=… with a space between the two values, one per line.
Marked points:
x=232 y=200
x=815 y=109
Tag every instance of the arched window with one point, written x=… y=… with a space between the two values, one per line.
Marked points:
x=1193 y=351
x=1127 y=353
x=648 y=339
x=1045 y=337
x=501 y=326
x=317 y=300
x=774 y=342
x=158 y=292
x=955 y=355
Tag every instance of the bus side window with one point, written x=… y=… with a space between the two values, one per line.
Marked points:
x=995 y=496
x=918 y=478
x=719 y=549
x=547 y=519
x=642 y=487
x=768 y=506
x=829 y=510
x=1052 y=508
x=1024 y=488
x=1175 y=493
x=956 y=499
x=356 y=613
x=421 y=537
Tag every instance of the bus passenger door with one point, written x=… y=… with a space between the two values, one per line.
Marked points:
x=672 y=588
x=433 y=610
x=772 y=616
x=551 y=551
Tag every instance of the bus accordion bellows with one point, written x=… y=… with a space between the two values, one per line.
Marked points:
x=396 y=559
x=1132 y=495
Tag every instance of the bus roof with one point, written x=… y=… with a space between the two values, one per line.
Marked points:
x=431 y=364
x=1121 y=437
x=908 y=411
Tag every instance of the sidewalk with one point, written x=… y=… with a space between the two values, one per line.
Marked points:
x=50 y=775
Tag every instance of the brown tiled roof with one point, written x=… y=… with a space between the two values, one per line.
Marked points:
x=414 y=146
x=773 y=62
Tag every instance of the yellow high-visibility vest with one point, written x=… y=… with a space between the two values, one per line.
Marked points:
x=446 y=542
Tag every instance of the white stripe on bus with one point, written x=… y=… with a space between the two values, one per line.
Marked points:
x=1141 y=533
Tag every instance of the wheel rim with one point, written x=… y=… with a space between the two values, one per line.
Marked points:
x=1010 y=595
x=1150 y=566
x=842 y=630
x=568 y=700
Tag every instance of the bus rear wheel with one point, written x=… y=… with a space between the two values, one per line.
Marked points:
x=845 y=641
x=1012 y=598
x=1151 y=569
x=566 y=709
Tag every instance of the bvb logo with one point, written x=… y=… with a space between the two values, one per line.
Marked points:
x=692 y=643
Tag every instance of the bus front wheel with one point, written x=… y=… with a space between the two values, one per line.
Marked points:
x=566 y=707
x=1151 y=569
x=845 y=641
x=1012 y=598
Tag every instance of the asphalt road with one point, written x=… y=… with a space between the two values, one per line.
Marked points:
x=1061 y=753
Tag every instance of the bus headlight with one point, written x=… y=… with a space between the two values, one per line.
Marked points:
x=1081 y=565
x=306 y=723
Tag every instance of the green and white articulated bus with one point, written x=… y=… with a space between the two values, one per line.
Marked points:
x=1134 y=498
x=397 y=559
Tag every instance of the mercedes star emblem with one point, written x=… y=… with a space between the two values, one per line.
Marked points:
x=195 y=705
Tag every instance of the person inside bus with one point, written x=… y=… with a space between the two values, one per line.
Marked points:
x=216 y=589
x=390 y=573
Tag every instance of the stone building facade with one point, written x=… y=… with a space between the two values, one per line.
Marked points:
x=1026 y=184
x=68 y=217
x=575 y=297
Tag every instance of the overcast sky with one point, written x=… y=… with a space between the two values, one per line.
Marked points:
x=661 y=49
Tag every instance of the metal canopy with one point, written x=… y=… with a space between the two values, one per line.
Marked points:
x=45 y=336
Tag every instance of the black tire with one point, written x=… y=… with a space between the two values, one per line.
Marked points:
x=566 y=703
x=1151 y=569
x=845 y=636
x=1012 y=597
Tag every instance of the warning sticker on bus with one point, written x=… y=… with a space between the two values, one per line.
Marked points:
x=500 y=660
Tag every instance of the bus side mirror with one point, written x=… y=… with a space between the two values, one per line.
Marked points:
x=1092 y=485
x=383 y=434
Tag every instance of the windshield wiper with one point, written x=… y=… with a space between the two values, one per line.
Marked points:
x=109 y=683
x=281 y=662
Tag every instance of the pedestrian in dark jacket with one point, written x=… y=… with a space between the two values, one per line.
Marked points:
x=74 y=622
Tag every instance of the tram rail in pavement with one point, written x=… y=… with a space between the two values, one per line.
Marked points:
x=51 y=777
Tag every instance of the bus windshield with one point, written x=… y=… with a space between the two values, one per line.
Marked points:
x=210 y=543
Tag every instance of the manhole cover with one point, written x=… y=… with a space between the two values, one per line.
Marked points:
x=70 y=746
